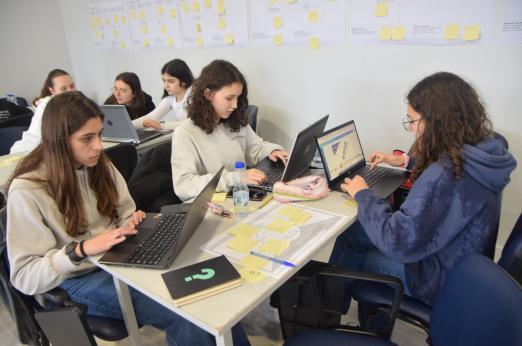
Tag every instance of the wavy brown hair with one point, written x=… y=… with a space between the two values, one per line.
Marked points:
x=453 y=115
x=216 y=75
x=138 y=103
x=48 y=83
x=65 y=114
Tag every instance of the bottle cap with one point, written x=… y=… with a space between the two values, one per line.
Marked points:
x=240 y=164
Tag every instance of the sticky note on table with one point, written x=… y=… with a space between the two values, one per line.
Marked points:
x=301 y=218
x=274 y=247
x=385 y=33
x=314 y=43
x=251 y=275
x=398 y=33
x=254 y=262
x=351 y=202
x=277 y=22
x=289 y=211
x=381 y=9
x=241 y=243
x=219 y=197
x=452 y=32
x=243 y=229
x=313 y=16
x=280 y=225
x=471 y=32
x=278 y=40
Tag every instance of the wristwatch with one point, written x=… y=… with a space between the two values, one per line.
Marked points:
x=71 y=253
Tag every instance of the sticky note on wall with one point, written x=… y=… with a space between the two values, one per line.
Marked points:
x=398 y=33
x=471 y=32
x=452 y=32
x=278 y=40
x=277 y=22
x=313 y=16
x=385 y=33
x=381 y=9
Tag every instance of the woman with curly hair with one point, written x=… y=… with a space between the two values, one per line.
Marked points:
x=459 y=171
x=217 y=134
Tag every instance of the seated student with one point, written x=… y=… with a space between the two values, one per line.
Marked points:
x=217 y=134
x=458 y=173
x=177 y=81
x=127 y=91
x=71 y=202
x=57 y=81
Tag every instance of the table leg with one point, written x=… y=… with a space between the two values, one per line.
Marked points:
x=224 y=339
x=128 y=311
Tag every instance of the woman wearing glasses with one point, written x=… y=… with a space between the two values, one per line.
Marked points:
x=127 y=91
x=459 y=171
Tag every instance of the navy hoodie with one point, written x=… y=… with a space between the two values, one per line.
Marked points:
x=443 y=218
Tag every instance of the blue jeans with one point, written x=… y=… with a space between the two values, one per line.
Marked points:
x=97 y=291
x=353 y=250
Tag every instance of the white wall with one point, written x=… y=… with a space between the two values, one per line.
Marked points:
x=294 y=86
x=33 y=43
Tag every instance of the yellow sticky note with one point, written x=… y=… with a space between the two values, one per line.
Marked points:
x=144 y=30
x=116 y=19
x=219 y=197
x=313 y=16
x=141 y=15
x=99 y=34
x=274 y=247
x=351 y=202
x=123 y=45
x=314 y=43
x=381 y=9
x=170 y=41
x=229 y=39
x=243 y=229
x=208 y=3
x=161 y=10
x=278 y=40
x=452 y=32
x=185 y=6
x=277 y=22
x=385 y=33
x=198 y=28
x=164 y=28
x=95 y=22
x=123 y=20
x=274 y=2
x=279 y=225
x=471 y=32
x=146 y=43
x=252 y=276
x=199 y=41
x=292 y=1
x=221 y=6
x=222 y=23
x=241 y=244
x=398 y=33
x=132 y=15
x=107 y=21
x=115 y=33
x=173 y=13
x=254 y=262
x=195 y=6
x=301 y=218
x=289 y=211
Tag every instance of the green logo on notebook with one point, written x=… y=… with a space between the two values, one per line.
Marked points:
x=207 y=274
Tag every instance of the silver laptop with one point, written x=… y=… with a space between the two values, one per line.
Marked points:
x=161 y=237
x=303 y=152
x=118 y=127
x=342 y=155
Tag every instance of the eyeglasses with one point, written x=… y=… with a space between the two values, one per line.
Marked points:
x=407 y=123
x=119 y=91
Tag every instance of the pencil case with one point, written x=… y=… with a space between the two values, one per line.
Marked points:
x=307 y=188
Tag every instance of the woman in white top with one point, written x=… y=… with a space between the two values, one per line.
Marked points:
x=217 y=134
x=57 y=81
x=177 y=80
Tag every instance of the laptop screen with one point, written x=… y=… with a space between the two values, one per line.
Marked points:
x=340 y=149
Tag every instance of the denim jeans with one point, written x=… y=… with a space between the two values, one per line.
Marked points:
x=98 y=292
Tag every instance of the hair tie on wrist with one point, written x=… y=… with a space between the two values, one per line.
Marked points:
x=82 y=251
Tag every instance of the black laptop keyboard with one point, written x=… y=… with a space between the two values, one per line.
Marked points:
x=274 y=175
x=370 y=176
x=150 y=251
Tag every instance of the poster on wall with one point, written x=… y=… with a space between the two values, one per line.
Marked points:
x=214 y=23
x=422 y=22
x=309 y=23
x=109 y=24
x=511 y=31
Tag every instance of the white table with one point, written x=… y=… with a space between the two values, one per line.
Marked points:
x=218 y=313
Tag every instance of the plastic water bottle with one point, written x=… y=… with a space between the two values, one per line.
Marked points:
x=240 y=191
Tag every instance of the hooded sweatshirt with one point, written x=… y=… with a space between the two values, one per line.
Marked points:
x=443 y=218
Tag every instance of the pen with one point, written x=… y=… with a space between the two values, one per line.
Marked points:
x=273 y=259
x=264 y=202
x=218 y=210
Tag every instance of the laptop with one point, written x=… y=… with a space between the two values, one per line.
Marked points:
x=299 y=160
x=342 y=155
x=118 y=127
x=161 y=237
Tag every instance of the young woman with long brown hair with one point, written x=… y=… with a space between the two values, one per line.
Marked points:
x=127 y=91
x=66 y=201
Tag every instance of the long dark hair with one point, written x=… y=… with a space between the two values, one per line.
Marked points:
x=48 y=83
x=216 y=75
x=138 y=104
x=179 y=69
x=65 y=114
x=453 y=115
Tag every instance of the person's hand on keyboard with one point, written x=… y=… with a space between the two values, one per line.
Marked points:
x=107 y=239
x=279 y=155
x=352 y=186
x=393 y=160
x=255 y=176
x=137 y=217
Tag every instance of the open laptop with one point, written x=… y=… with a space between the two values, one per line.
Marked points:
x=118 y=127
x=342 y=155
x=161 y=237
x=299 y=160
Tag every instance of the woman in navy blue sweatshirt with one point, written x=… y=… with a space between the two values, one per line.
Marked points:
x=458 y=173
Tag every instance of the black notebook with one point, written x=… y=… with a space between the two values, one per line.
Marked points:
x=200 y=280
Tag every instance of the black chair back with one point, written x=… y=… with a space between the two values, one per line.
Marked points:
x=252 y=116
x=124 y=156
x=19 y=120
x=9 y=135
